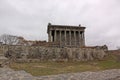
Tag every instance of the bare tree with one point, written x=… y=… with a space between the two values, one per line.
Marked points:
x=9 y=39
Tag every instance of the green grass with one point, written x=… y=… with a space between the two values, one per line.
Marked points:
x=50 y=68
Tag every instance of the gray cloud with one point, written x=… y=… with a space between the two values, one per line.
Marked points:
x=29 y=18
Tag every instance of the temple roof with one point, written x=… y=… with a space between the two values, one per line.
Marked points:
x=64 y=26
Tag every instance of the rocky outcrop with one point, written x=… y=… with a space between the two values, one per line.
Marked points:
x=101 y=75
x=9 y=74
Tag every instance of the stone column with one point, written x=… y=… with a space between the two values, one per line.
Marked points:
x=75 y=38
x=55 y=36
x=50 y=36
x=82 y=35
x=83 y=39
x=79 y=38
x=65 y=37
x=70 y=38
x=60 y=38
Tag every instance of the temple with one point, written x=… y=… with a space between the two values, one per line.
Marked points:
x=66 y=36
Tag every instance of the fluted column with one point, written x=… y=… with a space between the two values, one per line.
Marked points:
x=70 y=38
x=50 y=36
x=60 y=38
x=75 y=38
x=65 y=37
x=79 y=38
x=83 y=39
x=55 y=36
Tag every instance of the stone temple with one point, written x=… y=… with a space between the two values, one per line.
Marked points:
x=65 y=43
x=66 y=36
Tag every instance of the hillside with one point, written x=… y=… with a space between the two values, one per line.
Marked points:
x=111 y=61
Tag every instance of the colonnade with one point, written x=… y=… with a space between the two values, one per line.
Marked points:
x=67 y=37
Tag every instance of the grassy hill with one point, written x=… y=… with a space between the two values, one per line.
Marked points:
x=111 y=61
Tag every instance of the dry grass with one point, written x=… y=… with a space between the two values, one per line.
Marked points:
x=50 y=68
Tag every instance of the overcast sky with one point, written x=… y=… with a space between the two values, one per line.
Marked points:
x=29 y=18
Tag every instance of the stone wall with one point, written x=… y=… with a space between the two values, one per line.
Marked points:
x=54 y=54
x=75 y=54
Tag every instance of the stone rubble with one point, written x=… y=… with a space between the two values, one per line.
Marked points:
x=9 y=74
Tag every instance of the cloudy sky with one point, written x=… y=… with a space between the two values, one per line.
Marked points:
x=29 y=18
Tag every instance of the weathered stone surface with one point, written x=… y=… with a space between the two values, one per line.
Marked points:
x=9 y=74
x=24 y=53
x=102 y=75
x=78 y=54
x=55 y=54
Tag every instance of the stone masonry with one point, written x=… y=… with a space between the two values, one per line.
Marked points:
x=54 y=54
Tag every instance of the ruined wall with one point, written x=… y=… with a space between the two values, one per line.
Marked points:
x=78 y=54
x=55 y=54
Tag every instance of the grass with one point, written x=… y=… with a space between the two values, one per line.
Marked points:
x=51 y=68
